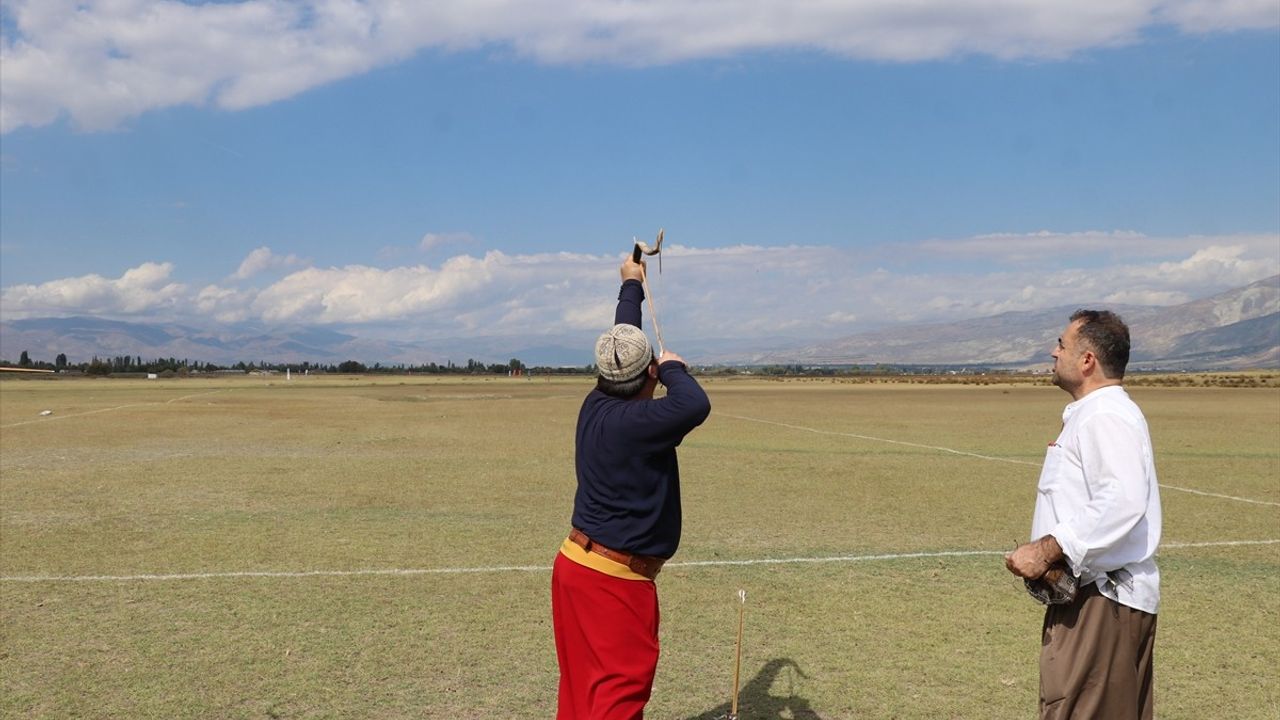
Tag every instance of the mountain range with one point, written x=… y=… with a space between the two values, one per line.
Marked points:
x=1236 y=329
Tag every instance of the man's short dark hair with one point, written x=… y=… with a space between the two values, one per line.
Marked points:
x=624 y=389
x=1108 y=337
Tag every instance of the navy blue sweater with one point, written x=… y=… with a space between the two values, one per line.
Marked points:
x=628 y=478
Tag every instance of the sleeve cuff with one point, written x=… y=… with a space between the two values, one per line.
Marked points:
x=669 y=366
x=1072 y=548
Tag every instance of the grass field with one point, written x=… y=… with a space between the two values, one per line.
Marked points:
x=349 y=547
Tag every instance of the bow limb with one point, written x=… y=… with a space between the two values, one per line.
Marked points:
x=641 y=248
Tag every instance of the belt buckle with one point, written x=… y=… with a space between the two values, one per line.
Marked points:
x=644 y=566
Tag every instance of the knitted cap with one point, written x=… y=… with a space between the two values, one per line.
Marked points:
x=623 y=352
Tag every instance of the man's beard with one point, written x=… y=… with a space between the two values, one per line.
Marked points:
x=1062 y=382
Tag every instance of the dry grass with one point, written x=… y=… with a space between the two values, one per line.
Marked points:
x=217 y=476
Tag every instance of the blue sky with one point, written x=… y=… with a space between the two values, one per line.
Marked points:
x=458 y=168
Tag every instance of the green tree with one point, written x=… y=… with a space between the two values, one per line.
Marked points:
x=98 y=367
x=60 y=362
x=24 y=360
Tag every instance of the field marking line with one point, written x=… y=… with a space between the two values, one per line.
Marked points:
x=879 y=439
x=1226 y=497
x=940 y=554
x=102 y=410
x=404 y=572
x=970 y=454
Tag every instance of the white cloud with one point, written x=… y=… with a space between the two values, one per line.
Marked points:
x=1202 y=16
x=224 y=305
x=139 y=292
x=263 y=259
x=104 y=61
x=746 y=292
x=1215 y=265
x=1146 y=297
x=431 y=241
x=358 y=293
x=590 y=315
x=1053 y=248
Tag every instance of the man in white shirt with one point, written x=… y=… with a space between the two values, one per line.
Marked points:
x=1097 y=511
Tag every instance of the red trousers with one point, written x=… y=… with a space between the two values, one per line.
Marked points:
x=606 y=641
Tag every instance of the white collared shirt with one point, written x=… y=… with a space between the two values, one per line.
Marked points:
x=1099 y=498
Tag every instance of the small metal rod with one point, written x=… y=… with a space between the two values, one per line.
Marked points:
x=737 y=663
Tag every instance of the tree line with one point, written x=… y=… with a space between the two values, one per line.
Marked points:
x=131 y=364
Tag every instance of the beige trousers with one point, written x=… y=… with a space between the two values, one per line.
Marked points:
x=1096 y=660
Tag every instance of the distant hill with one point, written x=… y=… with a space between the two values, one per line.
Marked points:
x=1239 y=328
x=82 y=338
x=1236 y=329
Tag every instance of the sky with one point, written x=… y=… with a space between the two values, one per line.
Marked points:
x=469 y=168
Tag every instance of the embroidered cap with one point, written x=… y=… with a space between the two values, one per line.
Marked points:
x=623 y=352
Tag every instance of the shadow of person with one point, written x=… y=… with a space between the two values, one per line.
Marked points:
x=756 y=702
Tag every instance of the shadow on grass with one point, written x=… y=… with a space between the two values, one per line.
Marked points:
x=756 y=702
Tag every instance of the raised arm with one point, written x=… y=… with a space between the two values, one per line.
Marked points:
x=631 y=295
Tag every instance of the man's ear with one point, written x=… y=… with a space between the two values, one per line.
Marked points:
x=653 y=370
x=1088 y=361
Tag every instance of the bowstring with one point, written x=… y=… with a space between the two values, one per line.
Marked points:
x=653 y=311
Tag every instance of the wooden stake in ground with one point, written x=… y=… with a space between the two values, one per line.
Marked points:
x=737 y=662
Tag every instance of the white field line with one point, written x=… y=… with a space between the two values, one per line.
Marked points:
x=1226 y=497
x=939 y=448
x=405 y=572
x=879 y=439
x=110 y=409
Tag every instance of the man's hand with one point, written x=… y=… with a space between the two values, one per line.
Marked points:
x=1034 y=558
x=632 y=270
x=668 y=355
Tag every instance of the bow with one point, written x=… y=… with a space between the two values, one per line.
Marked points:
x=642 y=249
